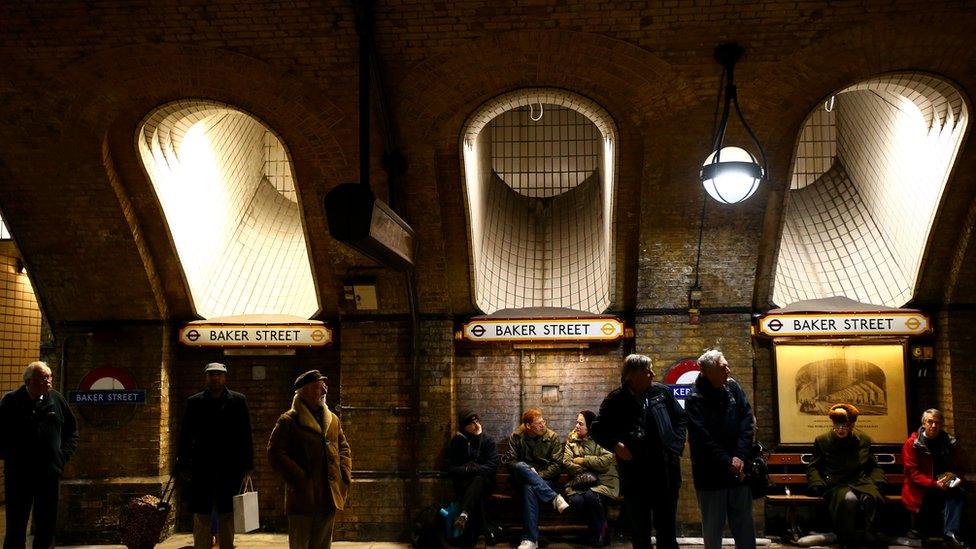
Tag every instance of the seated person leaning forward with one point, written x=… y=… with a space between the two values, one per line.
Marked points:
x=933 y=460
x=472 y=460
x=593 y=477
x=535 y=459
x=843 y=469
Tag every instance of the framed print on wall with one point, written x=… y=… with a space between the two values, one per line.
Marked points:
x=811 y=377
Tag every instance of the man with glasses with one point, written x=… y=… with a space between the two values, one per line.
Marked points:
x=934 y=472
x=38 y=434
x=472 y=460
x=844 y=471
x=535 y=459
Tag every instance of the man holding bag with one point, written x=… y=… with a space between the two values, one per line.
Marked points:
x=215 y=454
x=309 y=450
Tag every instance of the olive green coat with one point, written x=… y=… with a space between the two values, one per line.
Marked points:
x=543 y=453
x=842 y=464
x=596 y=460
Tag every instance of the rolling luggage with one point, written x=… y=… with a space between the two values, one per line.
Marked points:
x=144 y=518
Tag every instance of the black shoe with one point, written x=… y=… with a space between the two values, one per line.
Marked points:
x=954 y=540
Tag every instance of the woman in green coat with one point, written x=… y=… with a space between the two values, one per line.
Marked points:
x=845 y=472
x=583 y=455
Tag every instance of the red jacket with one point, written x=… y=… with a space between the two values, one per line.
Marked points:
x=918 y=463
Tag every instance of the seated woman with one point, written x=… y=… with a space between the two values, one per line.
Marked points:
x=581 y=456
x=472 y=459
x=845 y=472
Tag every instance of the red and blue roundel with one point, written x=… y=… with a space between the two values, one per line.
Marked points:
x=681 y=375
x=107 y=385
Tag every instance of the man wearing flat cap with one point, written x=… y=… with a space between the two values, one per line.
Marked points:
x=843 y=469
x=309 y=450
x=216 y=452
x=472 y=460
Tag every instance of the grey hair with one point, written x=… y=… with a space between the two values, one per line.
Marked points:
x=936 y=413
x=33 y=367
x=632 y=364
x=709 y=359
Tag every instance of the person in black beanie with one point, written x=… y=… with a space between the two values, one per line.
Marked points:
x=472 y=459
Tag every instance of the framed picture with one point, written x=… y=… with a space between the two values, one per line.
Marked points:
x=811 y=377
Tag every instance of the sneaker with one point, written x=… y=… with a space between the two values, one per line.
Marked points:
x=461 y=522
x=528 y=544
x=559 y=504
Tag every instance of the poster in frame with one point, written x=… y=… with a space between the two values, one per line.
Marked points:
x=812 y=376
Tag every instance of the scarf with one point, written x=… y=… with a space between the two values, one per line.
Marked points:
x=307 y=420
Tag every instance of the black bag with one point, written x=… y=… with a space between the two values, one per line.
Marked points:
x=427 y=531
x=583 y=481
x=757 y=473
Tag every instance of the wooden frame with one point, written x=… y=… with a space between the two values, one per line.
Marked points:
x=811 y=376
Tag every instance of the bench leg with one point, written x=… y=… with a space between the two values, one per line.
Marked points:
x=792 y=515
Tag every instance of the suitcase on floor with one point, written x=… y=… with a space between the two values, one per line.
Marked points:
x=144 y=518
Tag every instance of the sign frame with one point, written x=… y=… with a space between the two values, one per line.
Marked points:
x=612 y=329
x=833 y=324
x=298 y=335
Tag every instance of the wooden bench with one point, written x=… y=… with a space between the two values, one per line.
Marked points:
x=506 y=506
x=788 y=481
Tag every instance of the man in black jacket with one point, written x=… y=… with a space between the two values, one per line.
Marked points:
x=472 y=461
x=644 y=426
x=720 y=431
x=216 y=453
x=38 y=434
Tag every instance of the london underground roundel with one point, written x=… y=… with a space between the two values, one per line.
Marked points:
x=681 y=375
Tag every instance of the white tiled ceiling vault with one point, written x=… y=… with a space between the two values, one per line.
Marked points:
x=226 y=188
x=867 y=180
x=539 y=193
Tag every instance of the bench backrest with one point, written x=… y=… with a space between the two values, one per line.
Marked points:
x=788 y=469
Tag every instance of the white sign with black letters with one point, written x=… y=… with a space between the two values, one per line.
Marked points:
x=562 y=329
x=845 y=324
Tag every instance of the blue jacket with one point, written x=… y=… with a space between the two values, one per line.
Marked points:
x=720 y=427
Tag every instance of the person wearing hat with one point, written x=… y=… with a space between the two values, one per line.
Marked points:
x=472 y=460
x=215 y=454
x=845 y=472
x=309 y=450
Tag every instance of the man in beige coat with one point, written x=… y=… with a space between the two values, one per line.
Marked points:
x=309 y=450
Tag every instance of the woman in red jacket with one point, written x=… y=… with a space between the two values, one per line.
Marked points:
x=934 y=477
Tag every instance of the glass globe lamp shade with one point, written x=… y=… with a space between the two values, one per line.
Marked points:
x=731 y=175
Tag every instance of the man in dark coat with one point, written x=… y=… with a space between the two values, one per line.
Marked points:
x=933 y=461
x=644 y=426
x=216 y=453
x=472 y=461
x=720 y=432
x=309 y=450
x=38 y=434
x=843 y=469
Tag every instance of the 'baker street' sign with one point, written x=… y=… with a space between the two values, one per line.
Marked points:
x=844 y=324
x=255 y=335
x=561 y=329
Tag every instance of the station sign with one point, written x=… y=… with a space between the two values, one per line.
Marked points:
x=680 y=377
x=255 y=335
x=904 y=323
x=553 y=329
x=107 y=385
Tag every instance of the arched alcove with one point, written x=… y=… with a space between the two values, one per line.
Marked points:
x=538 y=178
x=226 y=187
x=868 y=175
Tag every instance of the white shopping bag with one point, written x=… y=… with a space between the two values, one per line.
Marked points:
x=246 y=508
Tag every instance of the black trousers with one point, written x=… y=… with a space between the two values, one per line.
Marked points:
x=472 y=493
x=26 y=489
x=651 y=499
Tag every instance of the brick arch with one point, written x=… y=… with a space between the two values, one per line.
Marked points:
x=859 y=54
x=114 y=90
x=437 y=96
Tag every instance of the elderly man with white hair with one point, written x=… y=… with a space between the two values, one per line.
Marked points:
x=38 y=434
x=720 y=432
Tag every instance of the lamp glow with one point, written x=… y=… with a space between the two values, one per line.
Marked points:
x=731 y=175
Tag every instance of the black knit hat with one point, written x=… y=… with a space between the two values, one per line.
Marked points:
x=308 y=377
x=465 y=417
